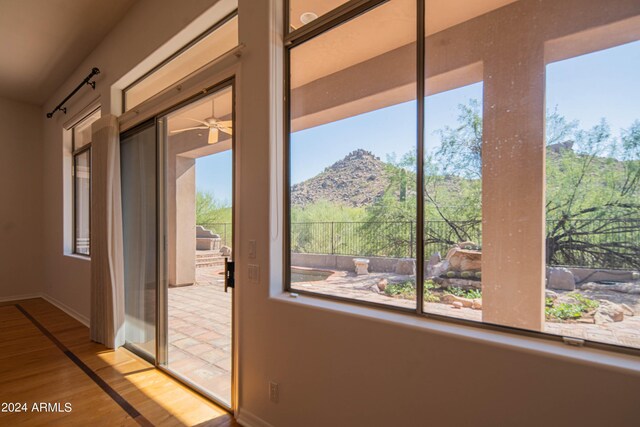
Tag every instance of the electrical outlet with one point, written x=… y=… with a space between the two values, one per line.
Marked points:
x=274 y=392
x=252 y=249
x=254 y=273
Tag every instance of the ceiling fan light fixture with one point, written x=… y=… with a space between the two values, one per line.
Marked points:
x=307 y=17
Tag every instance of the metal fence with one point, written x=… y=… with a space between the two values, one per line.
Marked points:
x=596 y=243
x=385 y=239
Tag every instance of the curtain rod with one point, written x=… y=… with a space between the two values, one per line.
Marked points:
x=86 y=81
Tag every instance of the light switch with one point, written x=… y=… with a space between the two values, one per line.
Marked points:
x=252 y=248
x=254 y=273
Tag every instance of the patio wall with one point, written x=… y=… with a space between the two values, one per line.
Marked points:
x=388 y=265
x=344 y=262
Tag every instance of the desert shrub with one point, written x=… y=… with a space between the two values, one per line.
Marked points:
x=569 y=310
x=407 y=290
x=459 y=292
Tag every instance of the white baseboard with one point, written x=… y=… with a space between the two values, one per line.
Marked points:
x=70 y=311
x=247 y=419
x=21 y=297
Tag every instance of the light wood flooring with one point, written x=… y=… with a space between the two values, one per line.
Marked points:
x=47 y=357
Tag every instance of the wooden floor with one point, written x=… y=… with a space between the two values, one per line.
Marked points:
x=47 y=357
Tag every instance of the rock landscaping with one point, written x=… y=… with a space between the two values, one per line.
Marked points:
x=600 y=311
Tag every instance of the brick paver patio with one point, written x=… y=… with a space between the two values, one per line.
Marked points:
x=200 y=333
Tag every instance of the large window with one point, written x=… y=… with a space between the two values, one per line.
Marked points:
x=353 y=160
x=476 y=162
x=81 y=147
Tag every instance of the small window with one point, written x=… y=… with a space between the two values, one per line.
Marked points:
x=214 y=43
x=81 y=147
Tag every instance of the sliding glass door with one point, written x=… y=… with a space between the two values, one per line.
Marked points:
x=138 y=168
x=196 y=214
x=177 y=205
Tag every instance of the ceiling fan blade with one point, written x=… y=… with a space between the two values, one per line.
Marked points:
x=226 y=123
x=202 y=122
x=186 y=129
x=227 y=130
x=213 y=136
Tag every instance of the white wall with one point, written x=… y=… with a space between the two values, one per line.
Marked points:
x=21 y=209
x=147 y=26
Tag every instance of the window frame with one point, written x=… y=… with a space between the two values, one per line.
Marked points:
x=324 y=23
x=75 y=153
x=174 y=55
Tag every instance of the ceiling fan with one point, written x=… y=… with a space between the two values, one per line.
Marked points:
x=214 y=125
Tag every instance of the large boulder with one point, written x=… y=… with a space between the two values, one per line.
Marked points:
x=561 y=278
x=464 y=259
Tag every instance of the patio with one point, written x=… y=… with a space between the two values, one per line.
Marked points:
x=200 y=321
x=200 y=332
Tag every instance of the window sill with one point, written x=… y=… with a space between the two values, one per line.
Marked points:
x=584 y=355
x=76 y=256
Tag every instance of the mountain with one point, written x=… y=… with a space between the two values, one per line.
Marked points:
x=357 y=180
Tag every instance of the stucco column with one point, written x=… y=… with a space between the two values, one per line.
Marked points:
x=185 y=220
x=181 y=218
x=513 y=183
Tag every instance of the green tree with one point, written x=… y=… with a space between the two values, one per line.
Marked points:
x=389 y=229
x=592 y=188
x=210 y=210
x=453 y=186
x=592 y=199
x=326 y=227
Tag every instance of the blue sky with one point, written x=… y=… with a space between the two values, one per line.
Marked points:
x=587 y=88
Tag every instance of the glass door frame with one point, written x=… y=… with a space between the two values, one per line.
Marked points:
x=162 y=297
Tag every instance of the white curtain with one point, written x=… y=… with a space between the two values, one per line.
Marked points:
x=107 y=277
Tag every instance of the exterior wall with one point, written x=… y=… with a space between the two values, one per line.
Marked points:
x=21 y=208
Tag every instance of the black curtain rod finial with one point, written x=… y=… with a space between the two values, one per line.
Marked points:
x=86 y=81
